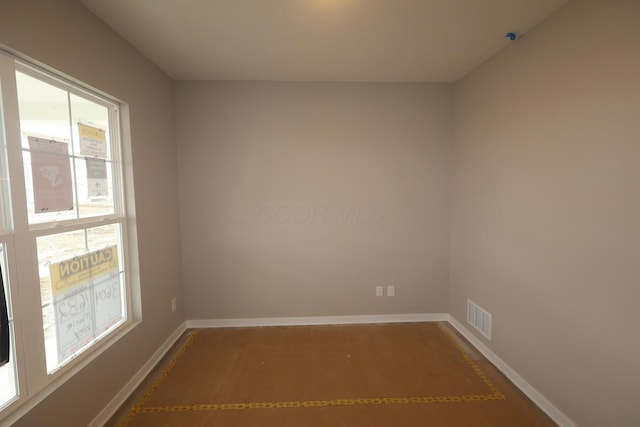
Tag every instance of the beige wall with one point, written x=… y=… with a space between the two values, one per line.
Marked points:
x=546 y=207
x=297 y=199
x=64 y=35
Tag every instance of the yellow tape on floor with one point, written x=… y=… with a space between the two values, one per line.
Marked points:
x=319 y=403
x=470 y=362
x=139 y=408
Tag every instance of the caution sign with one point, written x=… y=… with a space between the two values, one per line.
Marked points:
x=87 y=298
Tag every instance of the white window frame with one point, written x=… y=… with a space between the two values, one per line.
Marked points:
x=34 y=382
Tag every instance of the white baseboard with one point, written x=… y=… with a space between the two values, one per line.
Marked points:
x=321 y=320
x=547 y=407
x=137 y=379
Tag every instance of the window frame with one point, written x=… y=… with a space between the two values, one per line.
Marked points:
x=34 y=383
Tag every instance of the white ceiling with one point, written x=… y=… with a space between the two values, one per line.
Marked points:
x=320 y=40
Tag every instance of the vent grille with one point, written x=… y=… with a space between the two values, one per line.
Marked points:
x=479 y=318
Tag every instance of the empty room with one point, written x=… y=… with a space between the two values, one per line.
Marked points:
x=319 y=212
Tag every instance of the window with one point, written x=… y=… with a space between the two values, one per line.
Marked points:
x=63 y=243
x=8 y=383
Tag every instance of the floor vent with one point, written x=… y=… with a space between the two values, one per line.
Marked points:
x=479 y=318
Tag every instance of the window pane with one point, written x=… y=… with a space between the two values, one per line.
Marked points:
x=44 y=112
x=89 y=113
x=44 y=109
x=82 y=289
x=38 y=215
x=95 y=187
x=8 y=378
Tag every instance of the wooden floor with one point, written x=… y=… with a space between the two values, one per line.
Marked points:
x=411 y=374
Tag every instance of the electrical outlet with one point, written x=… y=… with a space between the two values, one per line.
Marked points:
x=379 y=291
x=391 y=291
x=174 y=305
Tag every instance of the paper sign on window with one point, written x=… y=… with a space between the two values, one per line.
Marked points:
x=93 y=141
x=97 y=178
x=51 y=173
x=86 y=298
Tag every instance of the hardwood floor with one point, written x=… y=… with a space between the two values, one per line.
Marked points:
x=411 y=374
